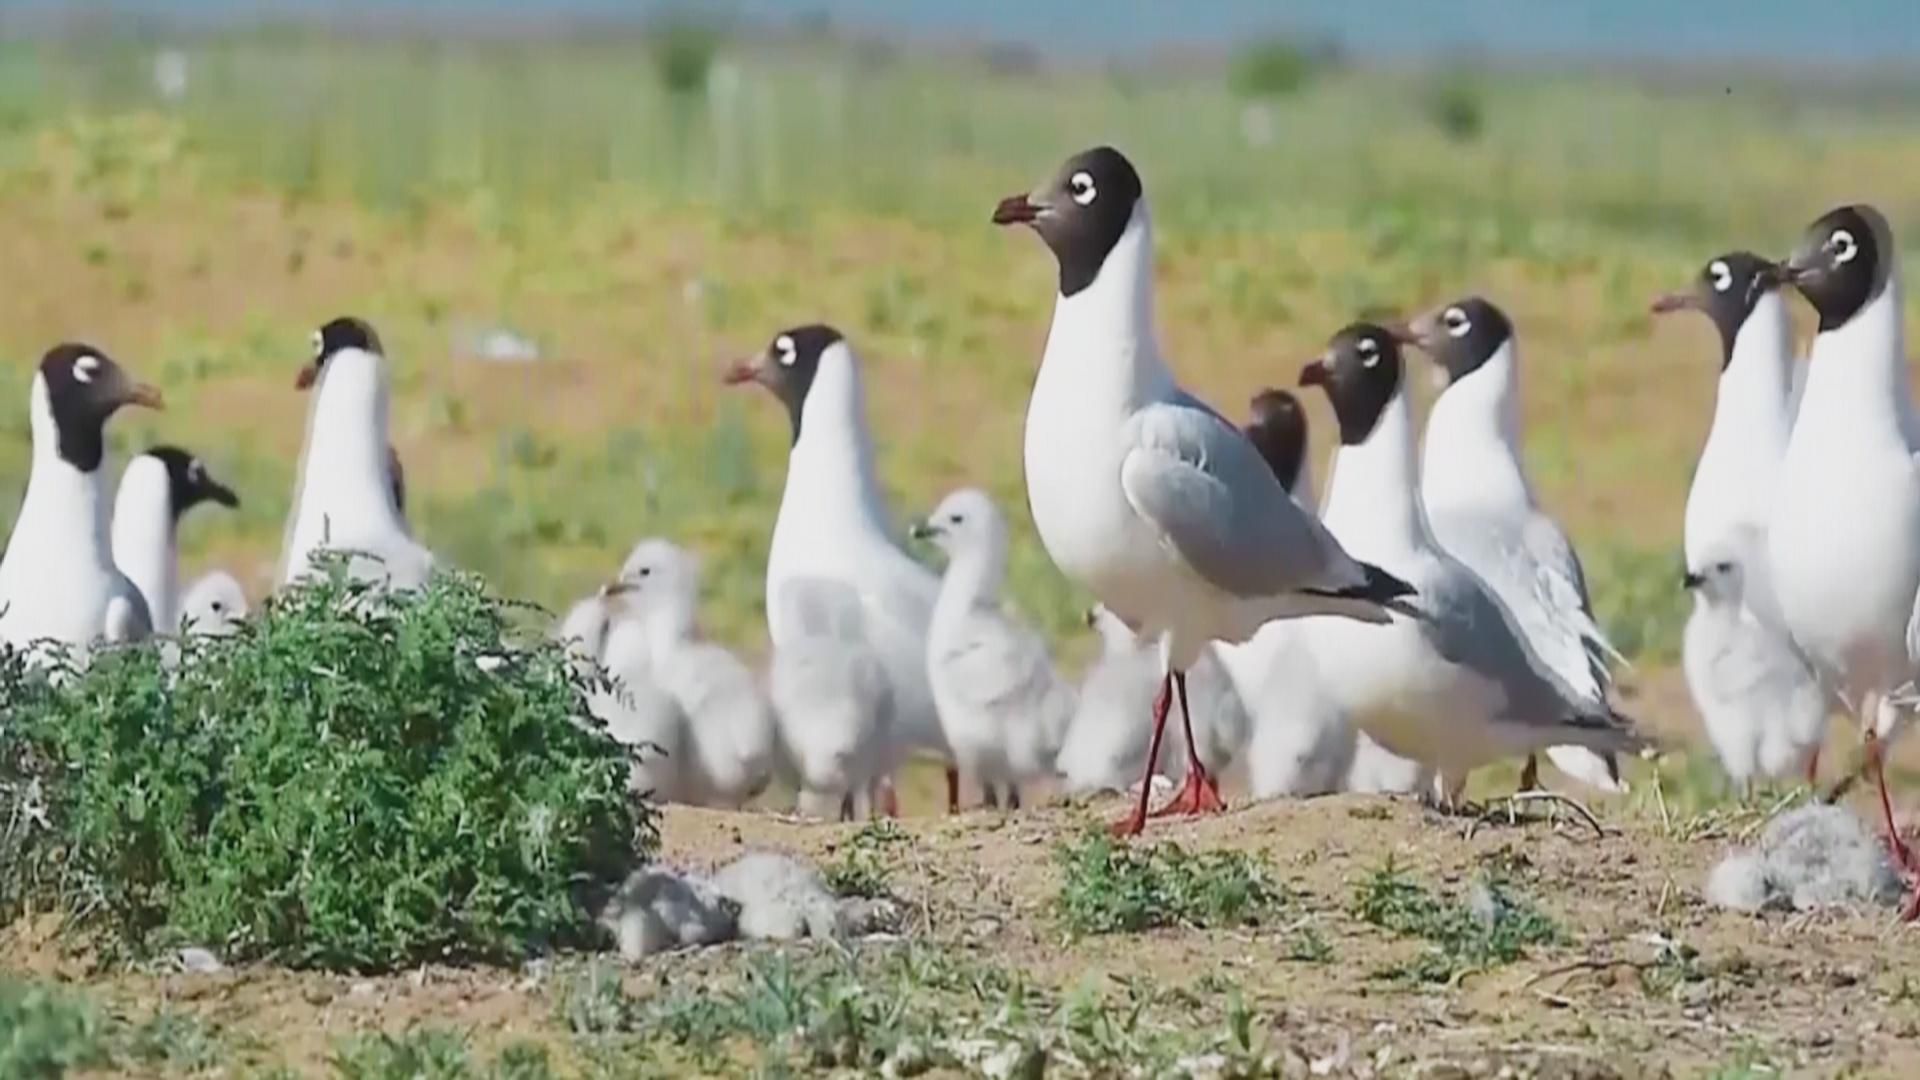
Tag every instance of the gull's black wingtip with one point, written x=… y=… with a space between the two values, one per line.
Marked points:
x=1379 y=587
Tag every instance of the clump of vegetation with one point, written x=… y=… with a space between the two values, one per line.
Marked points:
x=49 y=1032
x=351 y=781
x=434 y=1054
x=1457 y=107
x=1274 y=68
x=861 y=870
x=683 y=52
x=1493 y=926
x=1113 y=887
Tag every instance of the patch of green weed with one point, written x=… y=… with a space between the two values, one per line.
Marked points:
x=861 y=869
x=1494 y=928
x=1113 y=887
x=45 y=1032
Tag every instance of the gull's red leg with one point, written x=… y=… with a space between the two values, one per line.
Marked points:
x=1876 y=762
x=1813 y=768
x=1136 y=821
x=953 y=789
x=1199 y=794
x=889 y=798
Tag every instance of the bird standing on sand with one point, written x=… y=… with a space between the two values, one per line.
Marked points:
x=1455 y=686
x=1843 y=538
x=1480 y=505
x=58 y=581
x=1140 y=492
x=1002 y=704
x=1764 y=710
x=834 y=528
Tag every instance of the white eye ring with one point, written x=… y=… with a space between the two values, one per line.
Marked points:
x=319 y=345
x=1722 y=275
x=783 y=345
x=1082 y=189
x=84 y=368
x=1844 y=248
x=1369 y=352
x=1457 y=322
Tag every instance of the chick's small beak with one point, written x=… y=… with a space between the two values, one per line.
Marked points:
x=923 y=530
x=1016 y=210
x=616 y=588
x=1690 y=580
x=145 y=396
x=741 y=372
x=1090 y=617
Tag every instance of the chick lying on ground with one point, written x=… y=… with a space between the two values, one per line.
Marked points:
x=1809 y=858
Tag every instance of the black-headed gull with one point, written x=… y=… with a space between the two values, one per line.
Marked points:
x=344 y=498
x=1457 y=686
x=1482 y=510
x=156 y=489
x=834 y=527
x=58 y=581
x=1843 y=538
x=1140 y=491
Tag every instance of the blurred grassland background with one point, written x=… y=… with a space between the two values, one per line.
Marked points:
x=641 y=202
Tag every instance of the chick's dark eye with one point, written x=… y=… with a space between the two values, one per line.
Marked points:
x=645 y=571
x=953 y=519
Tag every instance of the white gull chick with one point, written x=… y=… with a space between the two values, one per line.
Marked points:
x=729 y=735
x=58 y=581
x=1003 y=706
x=1763 y=708
x=214 y=605
x=1141 y=493
x=834 y=528
x=157 y=488
x=832 y=699
x=344 y=500
x=1764 y=712
x=1482 y=509
x=1843 y=538
x=1104 y=751
x=1457 y=686
x=613 y=647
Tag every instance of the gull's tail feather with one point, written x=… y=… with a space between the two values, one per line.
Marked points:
x=1369 y=601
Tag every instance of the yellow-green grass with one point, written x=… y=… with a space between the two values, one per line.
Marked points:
x=641 y=238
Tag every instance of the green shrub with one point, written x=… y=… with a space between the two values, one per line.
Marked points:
x=1112 y=887
x=1465 y=935
x=1277 y=67
x=1456 y=105
x=346 y=783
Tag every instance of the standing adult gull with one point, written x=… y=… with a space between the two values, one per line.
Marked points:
x=1141 y=492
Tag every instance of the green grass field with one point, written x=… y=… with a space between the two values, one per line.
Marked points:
x=643 y=211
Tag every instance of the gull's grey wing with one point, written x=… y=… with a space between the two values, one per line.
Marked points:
x=1470 y=628
x=1540 y=601
x=1565 y=581
x=1218 y=506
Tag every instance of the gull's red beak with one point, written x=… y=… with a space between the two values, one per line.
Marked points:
x=741 y=372
x=309 y=375
x=1314 y=373
x=1016 y=210
x=146 y=396
x=1667 y=303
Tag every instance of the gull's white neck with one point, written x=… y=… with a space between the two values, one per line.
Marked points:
x=1752 y=420
x=1857 y=374
x=1102 y=358
x=344 y=495
x=831 y=481
x=1373 y=506
x=143 y=538
x=63 y=515
x=1472 y=456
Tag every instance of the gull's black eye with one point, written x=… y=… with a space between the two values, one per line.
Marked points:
x=1457 y=322
x=1721 y=275
x=1082 y=189
x=1843 y=245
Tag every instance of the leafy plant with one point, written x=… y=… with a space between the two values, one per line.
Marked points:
x=45 y=1032
x=1118 y=888
x=433 y=1054
x=1457 y=107
x=1276 y=67
x=861 y=869
x=1494 y=927
x=352 y=781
